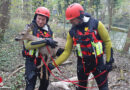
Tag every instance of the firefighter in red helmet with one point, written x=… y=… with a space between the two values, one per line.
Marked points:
x=90 y=38
x=40 y=29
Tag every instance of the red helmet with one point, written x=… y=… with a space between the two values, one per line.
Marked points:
x=73 y=11
x=43 y=11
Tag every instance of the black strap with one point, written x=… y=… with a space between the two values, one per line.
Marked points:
x=87 y=49
x=83 y=42
x=83 y=36
x=38 y=42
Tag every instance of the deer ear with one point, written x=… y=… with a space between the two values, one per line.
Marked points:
x=26 y=27
x=29 y=29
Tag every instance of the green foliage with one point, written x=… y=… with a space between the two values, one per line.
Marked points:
x=10 y=51
x=117 y=3
x=16 y=8
x=122 y=16
x=37 y=3
x=9 y=47
x=10 y=56
x=19 y=81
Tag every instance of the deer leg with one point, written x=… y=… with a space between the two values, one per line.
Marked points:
x=39 y=66
x=47 y=70
x=47 y=62
x=41 y=72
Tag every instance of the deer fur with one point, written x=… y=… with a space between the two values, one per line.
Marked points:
x=25 y=35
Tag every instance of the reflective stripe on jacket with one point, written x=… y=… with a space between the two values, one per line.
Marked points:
x=88 y=39
x=41 y=34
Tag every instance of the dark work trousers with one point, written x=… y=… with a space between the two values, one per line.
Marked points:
x=31 y=74
x=90 y=64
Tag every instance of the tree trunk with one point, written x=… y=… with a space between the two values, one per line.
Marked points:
x=102 y=16
x=4 y=17
x=27 y=10
x=110 y=8
x=59 y=8
x=91 y=6
x=97 y=2
x=127 y=44
x=97 y=11
x=44 y=2
x=66 y=5
x=85 y=5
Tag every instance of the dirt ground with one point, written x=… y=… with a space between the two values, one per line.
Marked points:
x=119 y=78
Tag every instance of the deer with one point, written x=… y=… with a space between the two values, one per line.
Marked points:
x=25 y=35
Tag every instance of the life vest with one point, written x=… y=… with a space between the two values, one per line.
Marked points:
x=87 y=40
x=41 y=34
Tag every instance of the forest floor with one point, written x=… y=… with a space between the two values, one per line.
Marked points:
x=118 y=78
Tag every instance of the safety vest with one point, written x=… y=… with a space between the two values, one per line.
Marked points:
x=41 y=34
x=86 y=41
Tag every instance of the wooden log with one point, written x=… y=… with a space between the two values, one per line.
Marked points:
x=127 y=44
x=65 y=85
x=67 y=62
x=15 y=71
x=119 y=29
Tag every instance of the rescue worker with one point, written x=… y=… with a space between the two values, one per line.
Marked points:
x=88 y=36
x=33 y=58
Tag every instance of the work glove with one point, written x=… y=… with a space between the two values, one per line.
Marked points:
x=59 y=51
x=51 y=42
x=111 y=61
x=51 y=66
x=109 y=65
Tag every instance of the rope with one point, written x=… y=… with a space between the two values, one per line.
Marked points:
x=67 y=80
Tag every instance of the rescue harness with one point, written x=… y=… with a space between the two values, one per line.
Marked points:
x=86 y=44
x=39 y=33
